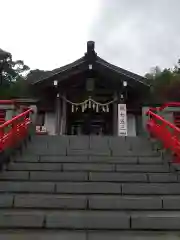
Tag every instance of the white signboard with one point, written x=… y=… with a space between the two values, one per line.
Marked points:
x=122 y=120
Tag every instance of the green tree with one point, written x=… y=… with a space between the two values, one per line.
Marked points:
x=165 y=84
x=12 y=77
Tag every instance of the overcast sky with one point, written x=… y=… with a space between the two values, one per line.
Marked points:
x=133 y=34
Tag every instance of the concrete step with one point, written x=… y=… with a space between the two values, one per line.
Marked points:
x=88 y=176
x=91 y=202
x=43 y=234
x=34 y=166
x=138 y=152
x=88 y=235
x=89 y=152
x=41 y=201
x=90 y=159
x=151 y=189
x=58 y=176
x=90 y=220
x=134 y=177
x=116 y=188
x=91 y=188
x=79 y=143
x=27 y=187
x=99 y=167
x=54 y=150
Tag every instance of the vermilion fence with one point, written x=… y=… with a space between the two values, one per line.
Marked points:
x=13 y=131
x=166 y=105
x=164 y=131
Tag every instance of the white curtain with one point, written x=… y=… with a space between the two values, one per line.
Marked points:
x=50 y=123
x=131 y=125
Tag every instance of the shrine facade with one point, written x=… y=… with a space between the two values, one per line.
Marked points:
x=90 y=97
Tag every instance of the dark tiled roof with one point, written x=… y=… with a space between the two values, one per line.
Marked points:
x=91 y=57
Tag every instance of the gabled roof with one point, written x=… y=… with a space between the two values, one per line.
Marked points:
x=82 y=63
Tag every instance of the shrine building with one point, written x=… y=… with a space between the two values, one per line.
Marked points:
x=86 y=97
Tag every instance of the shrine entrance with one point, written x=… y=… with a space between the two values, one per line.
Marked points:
x=89 y=122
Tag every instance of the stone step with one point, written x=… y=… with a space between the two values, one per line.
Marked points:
x=79 y=143
x=133 y=177
x=101 y=167
x=40 y=201
x=58 y=176
x=50 y=139
x=85 y=176
x=127 y=235
x=27 y=187
x=60 y=187
x=87 y=167
x=14 y=175
x=91 y=188
x=151 y=188
x=98 y=151
x=45 y=234
x=64 y=219
x=142 y=168
x=90 y=220
x=54 y=150
x=156 y=220
x=89 y=152
x=34 y=166
x=104 y=151
x=125 y=203
x=90 y=159
x=93 y=202
x=134 y=202
x=138 y=152
x=117 y=177
x=116 y=188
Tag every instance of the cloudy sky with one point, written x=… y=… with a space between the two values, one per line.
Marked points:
x=133 y=34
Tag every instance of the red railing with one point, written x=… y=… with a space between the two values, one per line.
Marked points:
x=164 y=131
x=13 y=131
x=166 y=105
x=7 y=102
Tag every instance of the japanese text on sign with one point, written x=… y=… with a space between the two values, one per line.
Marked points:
x=122 y=120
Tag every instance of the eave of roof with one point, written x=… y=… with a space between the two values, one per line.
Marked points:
x=60 y=70
x=123 y=72
x=92 y=56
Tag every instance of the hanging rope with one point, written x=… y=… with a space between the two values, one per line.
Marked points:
x=89 y=103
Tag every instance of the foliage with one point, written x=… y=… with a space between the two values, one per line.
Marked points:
x=35 y=75
x=12 y=79
x=165 y=84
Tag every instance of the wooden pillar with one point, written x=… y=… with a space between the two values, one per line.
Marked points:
x=115 y=115
x=58 y=115
x=64 y=113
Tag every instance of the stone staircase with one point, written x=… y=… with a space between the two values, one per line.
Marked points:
x=89 y=188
